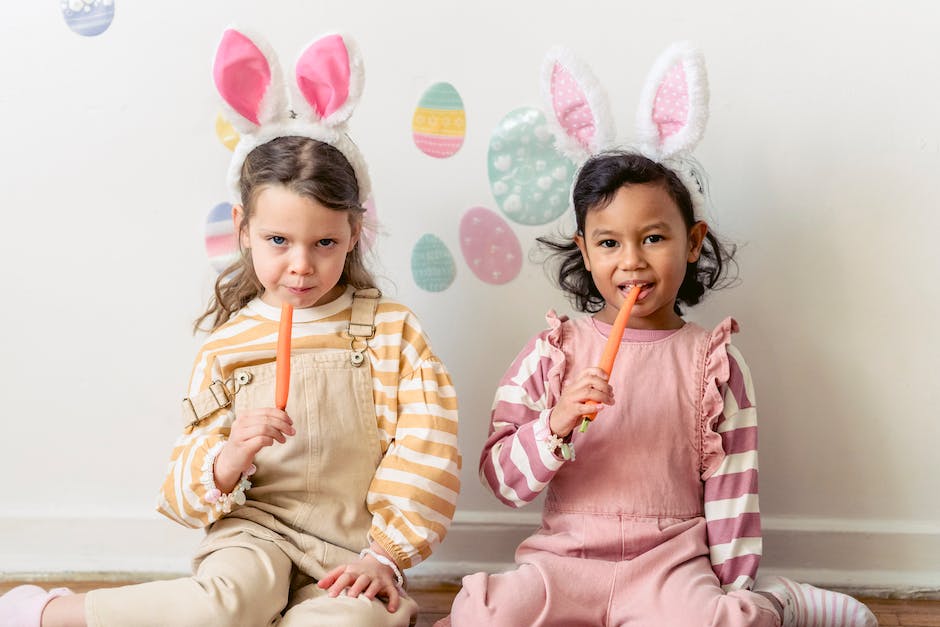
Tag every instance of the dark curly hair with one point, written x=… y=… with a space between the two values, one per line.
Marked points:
x=597 y=183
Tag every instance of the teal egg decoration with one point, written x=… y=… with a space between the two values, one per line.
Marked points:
x=432 y=265
x=530 y=180
x=88 y=17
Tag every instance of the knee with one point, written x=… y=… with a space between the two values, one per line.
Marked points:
x=503 y=600
x=235 y=602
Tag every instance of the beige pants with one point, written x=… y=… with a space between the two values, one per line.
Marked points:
x=247 y=584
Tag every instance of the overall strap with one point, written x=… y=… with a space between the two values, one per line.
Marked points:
x=362 y=318
x=361 y=326
x=199 y=407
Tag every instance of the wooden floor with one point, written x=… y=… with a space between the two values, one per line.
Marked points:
x=435 y=598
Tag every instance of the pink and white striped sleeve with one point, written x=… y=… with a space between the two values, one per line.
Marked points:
x=514 y=464
x=731 y=501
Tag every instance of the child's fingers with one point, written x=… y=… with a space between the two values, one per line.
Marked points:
x=374 y=589
x=247 y=432
x=359 y=585
x=594 y=371
x=330 y=577
x=342 y=582
x=393 y=597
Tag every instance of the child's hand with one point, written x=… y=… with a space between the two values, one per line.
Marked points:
x=366 y=576
x=590 y=385
x=252 y=430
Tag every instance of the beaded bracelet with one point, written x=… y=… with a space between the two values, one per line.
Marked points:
x=381 y=559
x=553 y=443
x=223 y=502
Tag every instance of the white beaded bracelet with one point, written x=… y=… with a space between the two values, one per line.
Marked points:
x=381 y=559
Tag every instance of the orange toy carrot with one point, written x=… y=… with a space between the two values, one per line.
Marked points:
x=282 y=369
x=613 y=343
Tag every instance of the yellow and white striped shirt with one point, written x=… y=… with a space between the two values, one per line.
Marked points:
x=414 y=491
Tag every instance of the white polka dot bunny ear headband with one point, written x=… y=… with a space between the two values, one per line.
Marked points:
x=329 y=77
x=670 y=119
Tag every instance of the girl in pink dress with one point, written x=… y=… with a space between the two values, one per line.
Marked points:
x=651 y=515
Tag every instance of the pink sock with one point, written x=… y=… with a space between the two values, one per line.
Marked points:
x=807 y=606
x=23 y=605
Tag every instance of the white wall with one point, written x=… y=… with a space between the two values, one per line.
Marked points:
x=823 y=150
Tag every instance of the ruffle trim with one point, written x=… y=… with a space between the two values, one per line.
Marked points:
x=553 y=337
x=717 y=372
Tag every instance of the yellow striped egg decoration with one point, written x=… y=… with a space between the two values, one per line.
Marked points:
x=440 y=123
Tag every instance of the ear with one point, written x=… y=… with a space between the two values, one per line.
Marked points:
x=248 y=78
x=673 y=107
x=238 y=216
x=696 y=240
x=579 y=113
x=330 y=77
x=582 y=246
x=356 y=229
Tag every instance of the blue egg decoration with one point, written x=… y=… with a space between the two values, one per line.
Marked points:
x=88 y=17
x=432 y=265
x=530 y=180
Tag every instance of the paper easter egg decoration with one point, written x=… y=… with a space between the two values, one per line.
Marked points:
x=226 y=132
x=530 y=180
x=370 y=224
x=439 y=123
x=88 y=17
x=489 y=246
x=221 y=245
x=432 y=265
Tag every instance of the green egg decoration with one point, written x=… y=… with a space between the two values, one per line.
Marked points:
x=432 y=265
x=530 y=180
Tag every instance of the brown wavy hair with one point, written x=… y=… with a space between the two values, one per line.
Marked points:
x=311 y=169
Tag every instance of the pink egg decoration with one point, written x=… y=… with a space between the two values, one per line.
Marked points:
x=490 y=247
x=370 y=225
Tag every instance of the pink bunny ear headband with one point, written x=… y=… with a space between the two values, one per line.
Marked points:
x=329 y=77
x=670 y=119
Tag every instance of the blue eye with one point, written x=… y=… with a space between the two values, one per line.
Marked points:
x=277 y=240
x=326 y=243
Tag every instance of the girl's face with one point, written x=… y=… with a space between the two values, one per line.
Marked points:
x=298 y=247
x=640 y=238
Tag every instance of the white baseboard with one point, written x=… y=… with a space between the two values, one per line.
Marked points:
x=890 y=557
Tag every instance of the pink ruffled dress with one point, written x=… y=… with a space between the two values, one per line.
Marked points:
x=623 y=539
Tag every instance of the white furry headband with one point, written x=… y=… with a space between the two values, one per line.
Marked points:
x=670 y=120
x=329 y=78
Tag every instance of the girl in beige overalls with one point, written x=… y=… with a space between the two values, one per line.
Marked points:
x=311 y=513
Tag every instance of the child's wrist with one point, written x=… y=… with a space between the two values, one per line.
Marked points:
x=559 y=446
x=224 y=487
x=385 y=561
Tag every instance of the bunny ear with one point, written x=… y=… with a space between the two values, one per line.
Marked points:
x=329 y=77
x=673 y=108
x=579 y=112
x=248 y=78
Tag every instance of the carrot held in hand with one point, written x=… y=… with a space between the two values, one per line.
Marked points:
x=613 y=343
x=282 y=367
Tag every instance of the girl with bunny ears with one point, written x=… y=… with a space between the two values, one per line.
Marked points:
x=654 y=521
x=311 y=513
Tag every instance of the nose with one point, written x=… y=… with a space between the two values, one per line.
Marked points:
x=631 y=257
x=300 y=262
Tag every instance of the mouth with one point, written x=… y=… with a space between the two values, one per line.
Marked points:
x=298 y=290
x=645 y=288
